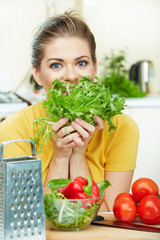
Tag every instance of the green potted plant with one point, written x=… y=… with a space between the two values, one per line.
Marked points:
x=115 y=76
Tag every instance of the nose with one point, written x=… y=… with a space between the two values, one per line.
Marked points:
x=71 y=75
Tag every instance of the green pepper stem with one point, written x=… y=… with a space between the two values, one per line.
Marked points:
x=88 y=188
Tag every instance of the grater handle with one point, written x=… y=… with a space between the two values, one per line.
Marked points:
x=33 y=149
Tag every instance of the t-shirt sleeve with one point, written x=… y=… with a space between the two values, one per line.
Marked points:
x=122 y=152
x=15 y=127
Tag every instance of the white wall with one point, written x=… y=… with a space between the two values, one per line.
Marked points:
x=18 y=19
x=131 y=24
x=117 y=24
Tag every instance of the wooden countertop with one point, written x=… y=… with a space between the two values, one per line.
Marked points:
x=103 y=233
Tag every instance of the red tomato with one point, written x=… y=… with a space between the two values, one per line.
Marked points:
x=143 y=187
x=149 y=209
x=124 y=195
x=124 y=208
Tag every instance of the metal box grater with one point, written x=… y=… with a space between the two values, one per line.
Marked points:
x=21 y=197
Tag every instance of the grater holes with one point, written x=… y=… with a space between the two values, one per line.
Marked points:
x=22 y=198
x=22 y=213
x=35 y=212
x=22 y=229
x=18 y=222
x=24 y=173
x=28 y=197
x=36 y=172
x=28 y=213
x=15 y=230
x=33 y=180
x=11 y=237
x=15 y=214
x=32 y=220
x=19 y=205
x=34 y=196
x=12 y=223
x=30 y=173
x=15 y=182
x=39 y=233
x=18 y=236
x=12 y=206
x=25 y=221
x=24 y=189
x=12 y=190
x=38 y=219
x=28 y=181
x=25 y=205
x=13 y=174
x=32 y=233
x=29 y=228
x=31 y=204
x=18 y=189
x=35 y=227
x=37 y=188
x=18 y=173
x=15 y=198
x=31 y=189
x=25 y=235
x=22 y=181
x=38 y=203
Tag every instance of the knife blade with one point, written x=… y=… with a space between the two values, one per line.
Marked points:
x=133 y=226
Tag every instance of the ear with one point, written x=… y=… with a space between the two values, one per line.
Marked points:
x=36 y=76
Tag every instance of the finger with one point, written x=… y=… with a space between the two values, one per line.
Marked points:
x=65 y=131
x=57 y=125
x=85 y=125
x=100 y=122
x=84 y=134
x=85 y=129
x=66 y=140
x=78 y=141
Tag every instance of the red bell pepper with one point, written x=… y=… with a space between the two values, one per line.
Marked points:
x=80 y=188
x=90 y=191
x=75 y=186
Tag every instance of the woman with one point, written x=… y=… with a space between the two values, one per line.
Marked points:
x=63 y=48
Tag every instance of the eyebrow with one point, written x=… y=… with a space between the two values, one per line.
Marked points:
x=61 y=60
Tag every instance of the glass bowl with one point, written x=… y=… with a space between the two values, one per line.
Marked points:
x=70 y=214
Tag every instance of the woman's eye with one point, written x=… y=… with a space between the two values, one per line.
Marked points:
x=56 y=65
x=82 y=63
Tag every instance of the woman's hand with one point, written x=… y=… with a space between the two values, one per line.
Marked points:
x=85 y=131
x=78 y=162
x=70 y=143
x=63 y=139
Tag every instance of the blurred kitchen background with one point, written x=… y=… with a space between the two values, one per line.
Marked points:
x=126 y=31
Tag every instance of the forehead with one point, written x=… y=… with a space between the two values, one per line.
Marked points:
x=67 y=46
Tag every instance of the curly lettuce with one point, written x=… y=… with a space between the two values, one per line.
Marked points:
x=83 y=101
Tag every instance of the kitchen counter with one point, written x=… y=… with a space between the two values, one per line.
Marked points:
x=148 y=101
x=103 y=233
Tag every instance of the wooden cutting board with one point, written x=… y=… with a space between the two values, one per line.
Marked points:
x=103 y=233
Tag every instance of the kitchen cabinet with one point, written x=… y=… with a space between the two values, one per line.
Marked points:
x=146 y=113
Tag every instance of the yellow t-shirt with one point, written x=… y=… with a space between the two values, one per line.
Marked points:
x=105 y=152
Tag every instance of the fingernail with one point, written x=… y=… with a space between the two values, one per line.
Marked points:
x=65 y=119
x=74 y=124
x=78 y=120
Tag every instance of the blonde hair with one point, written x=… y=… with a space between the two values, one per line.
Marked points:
x=68 y=24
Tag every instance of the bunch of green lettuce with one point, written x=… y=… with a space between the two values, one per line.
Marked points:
x=83 y=101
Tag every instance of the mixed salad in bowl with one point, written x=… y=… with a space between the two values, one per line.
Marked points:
x=73 y=204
